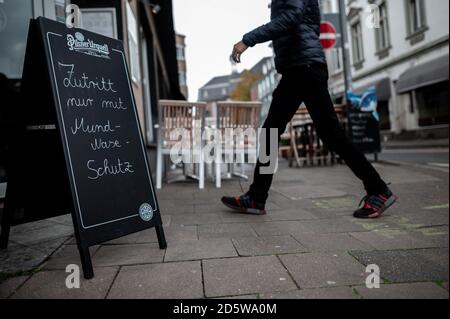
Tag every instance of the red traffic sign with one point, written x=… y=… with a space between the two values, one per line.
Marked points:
x=328 y=35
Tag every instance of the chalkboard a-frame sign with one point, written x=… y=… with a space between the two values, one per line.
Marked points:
x=79 y=81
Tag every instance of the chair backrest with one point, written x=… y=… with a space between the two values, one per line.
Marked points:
x=238 y=115
x=180 y=115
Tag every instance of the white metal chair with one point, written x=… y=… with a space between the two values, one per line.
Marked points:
x=173 y=117
x=237 y=116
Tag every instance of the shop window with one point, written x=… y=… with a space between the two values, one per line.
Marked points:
x=432 y=104
x=14 y=20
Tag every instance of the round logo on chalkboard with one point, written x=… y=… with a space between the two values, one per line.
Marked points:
x=146 y=212
x=79 y=36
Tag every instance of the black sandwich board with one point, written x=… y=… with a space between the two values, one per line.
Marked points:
x=79 y=146
x=364 y=121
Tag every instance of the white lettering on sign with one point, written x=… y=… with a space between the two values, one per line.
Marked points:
x=107 y=168
x=100 y=144
x=81 y=126
x=84 y=82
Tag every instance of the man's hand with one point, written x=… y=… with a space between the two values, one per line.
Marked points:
x=238 y=49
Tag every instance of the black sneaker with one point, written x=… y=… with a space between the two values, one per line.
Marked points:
x=375 y=205
x=244 y=204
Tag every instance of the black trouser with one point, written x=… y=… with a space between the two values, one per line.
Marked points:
x=309 y=85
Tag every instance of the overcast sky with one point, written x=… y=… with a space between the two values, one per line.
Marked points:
x=212 y=27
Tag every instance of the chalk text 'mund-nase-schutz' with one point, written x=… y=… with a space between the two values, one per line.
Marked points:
x=105 y=167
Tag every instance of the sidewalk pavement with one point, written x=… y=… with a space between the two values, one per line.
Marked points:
x=412 y=144
x=308 y=246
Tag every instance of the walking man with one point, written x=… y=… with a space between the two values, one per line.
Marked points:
x=294 y=29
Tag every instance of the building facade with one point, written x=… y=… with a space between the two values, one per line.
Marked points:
x=406 y=57
x=263 y=89
x=182 y=69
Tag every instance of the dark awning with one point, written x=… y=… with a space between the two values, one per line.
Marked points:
x=422 y=75
x=383 y=87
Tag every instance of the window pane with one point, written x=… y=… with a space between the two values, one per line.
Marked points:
x=14 y=21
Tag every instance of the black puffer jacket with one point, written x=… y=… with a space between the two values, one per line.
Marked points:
x=294 y=29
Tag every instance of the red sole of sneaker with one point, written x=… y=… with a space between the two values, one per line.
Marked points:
x=246 y=211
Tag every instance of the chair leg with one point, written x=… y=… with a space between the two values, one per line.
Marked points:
x=159 y=164
x=201 y=172
x=217 y=167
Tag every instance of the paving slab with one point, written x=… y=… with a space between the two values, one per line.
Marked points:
x=181 y=280
x=330 y=242
x=426 y=290
x=243 y=276
x=66 y=256
x=174 y=234
x=332 y=225
x=200 y=249
x=291 y=214
x=318 y=293
x=279 y=228
x=408 y=265
x=52 y=285
x=20 y=258
x=273 y=245
x=33 y=236
x=225 y=231
x=196 y=219
x=10 y=285
x=118 y=255
x=390 y=239
x=298 y=192
x=317 y=270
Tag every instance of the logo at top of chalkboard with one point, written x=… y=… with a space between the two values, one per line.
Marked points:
x=146 y=212
x=79 y=44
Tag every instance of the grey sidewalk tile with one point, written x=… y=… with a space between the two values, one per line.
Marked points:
x=41 y=234
x=316 y=270
x=437 y=236
x=274 y=245
x=196 y=219
x=291 y=214
x=49 y=246
x=52 y=285
x=63 y=219
x=233 y=217
x=10 y=285
x=200 y=249
x=225 y=231
x=28 y=227
x=243 y=297
x=426 y=290
x=332 y=225
x=20 y=258
x=175 y=206
x=119 y=255
x=66 y=256
x=408 y=265
x=298 y=192
x=243 y=276
x=174 y=234
x=390 y=239
x=182 y=280
x=419 y=219
x=279 y=228
x=317 y=293
x=330 y=242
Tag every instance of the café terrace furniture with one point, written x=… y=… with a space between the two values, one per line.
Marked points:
x=301 y=142
x=181 y=117
x=240 y=118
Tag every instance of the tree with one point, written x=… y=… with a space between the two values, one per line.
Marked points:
x=242 y=92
